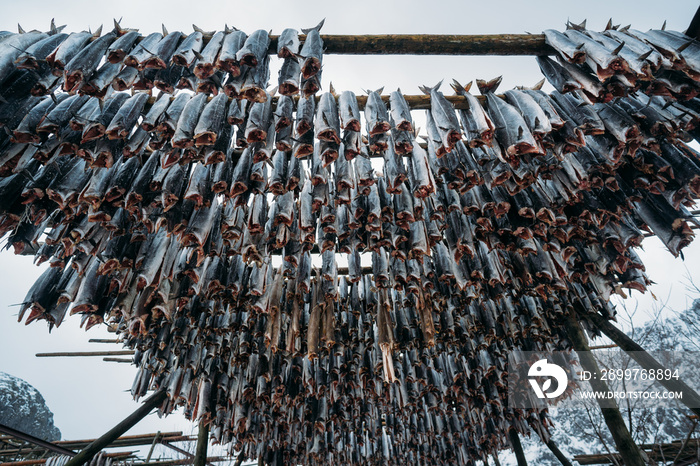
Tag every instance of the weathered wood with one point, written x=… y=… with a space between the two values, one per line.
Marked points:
x=103 y=340
x=156 y=438
x=632 y=455
x=91 y=450
x=690 y=397
x=694 y=27
x=121 y=360
x=36 y=441
x=557 y=452
x=211 y=459
x=72 y=354
x=430 y=44
x=200 y=457
x=116 y=455
x=517 y=447
x=658 y=452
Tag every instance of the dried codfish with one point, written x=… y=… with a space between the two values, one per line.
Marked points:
x=312 y=51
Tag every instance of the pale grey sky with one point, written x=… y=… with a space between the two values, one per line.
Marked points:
x=88 y=396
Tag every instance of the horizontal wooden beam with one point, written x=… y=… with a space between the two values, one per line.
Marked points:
x=103 y=340
x=121 y=455
x=71 y=354
x=36 y=441
x=431 y=44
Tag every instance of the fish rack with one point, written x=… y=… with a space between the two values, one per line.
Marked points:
x=509 y=229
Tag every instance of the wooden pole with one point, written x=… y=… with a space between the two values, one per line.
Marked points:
x=517 y=447
x=431 y=44
x=631 y=454
x=200 y=457
x=690 y=397
x=557 y=452
x=91 y=450
x=72 y=354
x=103 y=340
x=36 y=441
x=153 y=447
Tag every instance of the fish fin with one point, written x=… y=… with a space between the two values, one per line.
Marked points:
x=227 y=30
x=380 y=90
x=97 y=32
x=197 y=29
x=486 y=87
x=537 y=121
x=458 y=88
x=20 y=29
x=332 y=90
x=316 y=28
x=644 y=56
x=53 y=97
x=424 y=89
x=609 y=25
x=625 y=28
x=468 y=86
x=617 y=50
x=521 y=131
x=273 y=91
x=685 y=46
x=197 y=55
x=579 y=46
x=539 y=85
x=663 y=26
x=165 y=30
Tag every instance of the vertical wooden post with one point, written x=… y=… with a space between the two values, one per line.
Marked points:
x=200 y=457
x=517 y=447
x=557 y=452
x=91 y=450
x=630 y=452
x=690 y=397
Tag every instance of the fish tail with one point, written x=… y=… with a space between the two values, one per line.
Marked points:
x=487 y=87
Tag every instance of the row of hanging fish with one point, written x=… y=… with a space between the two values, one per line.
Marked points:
x=315 y=281
x=228 y=61
x=599 y=66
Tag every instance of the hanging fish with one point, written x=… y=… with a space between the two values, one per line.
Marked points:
x=161 y=54
x=232 y=43
x=254 y=49
x=443 y=114
x=312 y=51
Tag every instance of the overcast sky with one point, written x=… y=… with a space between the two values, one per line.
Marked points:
x=89 y=396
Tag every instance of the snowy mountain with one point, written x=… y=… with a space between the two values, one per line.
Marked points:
x=23 y=408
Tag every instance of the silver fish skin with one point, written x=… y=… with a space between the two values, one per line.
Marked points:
x=256 y=80
x=152 y=118
x=65 y=52
x=284 y=113
x=312 y=51
x=120 y=47
x=211 y=121
x=288 y=43
x=425 y=182
x=557 y=75
x=26 y=130
x=641 y=68
x=100 y=81
x=62 y=113
x=641 y=49
x=258 y=123
x=689 y=58
x=125 y=78
x=98 y=121
x=445 y=118
x=121 y=125
x=545 y=104
x=434 y=139
x=326 y=123
x=565 y=46
x=376 y=114
x=478 y=127
x=186 y=124
x=306 y=108
x=583 y=115
x=188 y=49
x=230 y=46
x=254 y=49
x=30 y=58
x=349 y=111
x=400 y=111
x=143 y=50
x=205 y=65
x=84 y=64
x=162 y=53
x=532 y=113
x=171 y=116
x=288 y=76
x=82 y=116
x=603 y=61
x=590 y=85
x=511 y=130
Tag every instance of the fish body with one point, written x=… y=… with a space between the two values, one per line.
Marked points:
x=376 y=114
x=288 y=43
x=119 y=48
x=211 y=121
x=205 y=65
x=84 y=63
x=327 y=123
x=227 y=61
x=254 y=49
x=68 y=49
x=37 y=52
x=143 y=50
x=189 y=48
x=186 y=124
x=312 y=52
x=162 y=53
x=123 y=122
